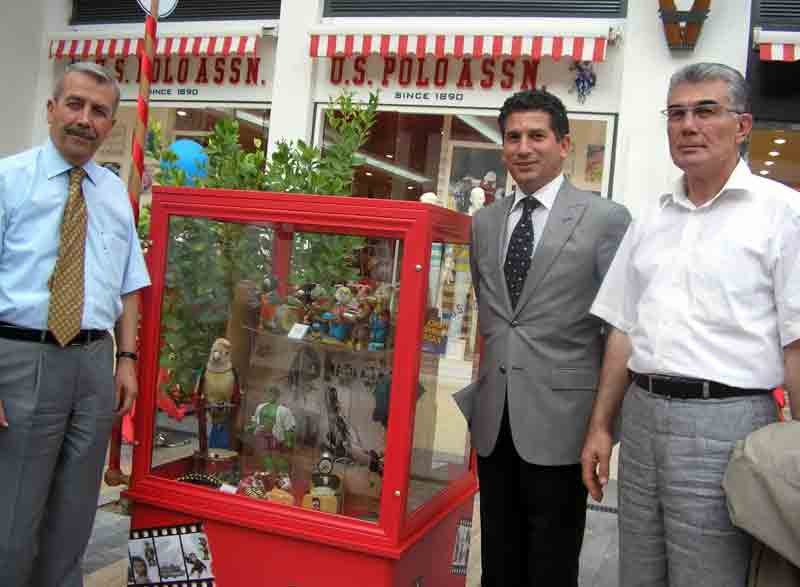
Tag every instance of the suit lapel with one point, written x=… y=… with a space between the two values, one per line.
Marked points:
x=501 y=222
x=561 y=222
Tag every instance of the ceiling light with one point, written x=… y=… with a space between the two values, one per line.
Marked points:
x=411 y=187
x=764 y=172
x=774 y=153
x=779 y=141
x=768 y=163
x=368 y=173
x=182 y=113
x=389 y=156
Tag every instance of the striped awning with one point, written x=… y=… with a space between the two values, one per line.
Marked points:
x=779 y=51
x=579 y=48
x=181 y=46
x=775 y=45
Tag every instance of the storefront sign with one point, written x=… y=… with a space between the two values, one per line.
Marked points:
x=235 y=78
x=469 y=82
x=425 y=79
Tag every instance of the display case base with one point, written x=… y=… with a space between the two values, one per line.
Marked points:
x=242 y=557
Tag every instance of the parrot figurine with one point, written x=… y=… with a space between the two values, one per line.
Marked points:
x=217 y=391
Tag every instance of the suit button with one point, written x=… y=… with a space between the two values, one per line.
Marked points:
x=503 y=369
x=514 y=324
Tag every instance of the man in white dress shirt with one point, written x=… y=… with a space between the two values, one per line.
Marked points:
x=703 y=300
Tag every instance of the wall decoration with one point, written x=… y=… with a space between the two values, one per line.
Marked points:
x=682 y=27
x=593 y=172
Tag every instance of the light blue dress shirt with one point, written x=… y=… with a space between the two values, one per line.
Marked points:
x=33 y=193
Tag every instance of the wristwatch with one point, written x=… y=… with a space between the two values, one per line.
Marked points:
x=127 y=355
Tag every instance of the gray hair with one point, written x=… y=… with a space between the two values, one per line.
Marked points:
x=738 y=90
x=100 y=74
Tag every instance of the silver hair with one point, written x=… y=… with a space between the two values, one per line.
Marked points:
x=100 y=74
x=738 y=89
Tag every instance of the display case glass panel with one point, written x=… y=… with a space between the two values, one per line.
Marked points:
x=277 y=347
x=440 y=452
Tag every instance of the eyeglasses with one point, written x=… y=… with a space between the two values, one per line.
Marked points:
x=700 y=112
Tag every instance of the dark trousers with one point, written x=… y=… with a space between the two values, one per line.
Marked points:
x=532 y=519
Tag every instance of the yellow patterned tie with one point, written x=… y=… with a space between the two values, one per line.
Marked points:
x=66 y=283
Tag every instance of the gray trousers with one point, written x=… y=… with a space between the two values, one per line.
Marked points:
x=674 y=525
x=59 y=404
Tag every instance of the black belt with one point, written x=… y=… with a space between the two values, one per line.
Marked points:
x=686 y=388
x=45 y=336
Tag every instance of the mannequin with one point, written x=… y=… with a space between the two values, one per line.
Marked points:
x=430 y=198
x=477 y=199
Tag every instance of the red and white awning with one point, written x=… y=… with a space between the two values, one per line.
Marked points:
x=578 y=48
x=181 y=46
x=779 y=51
x=777 y=45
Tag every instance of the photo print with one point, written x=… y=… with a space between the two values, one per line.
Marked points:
x=172 y=555
x=461 y=547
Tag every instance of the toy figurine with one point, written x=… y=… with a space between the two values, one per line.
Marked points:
x=270 y=301
x=282 y=492
x=378 y=330
x=341 y=322
x=275 y=422
x=325 y=493
x=217 y=391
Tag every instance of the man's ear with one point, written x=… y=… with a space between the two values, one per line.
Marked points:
x=565 y=143
x=745 y=127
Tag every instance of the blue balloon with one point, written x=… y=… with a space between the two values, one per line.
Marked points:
x=192 y=159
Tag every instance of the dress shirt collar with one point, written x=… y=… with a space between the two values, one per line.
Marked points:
x=55 y=164
x=545 y=195
x=739 y=180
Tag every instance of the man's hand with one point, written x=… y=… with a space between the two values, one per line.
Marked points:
x=127 y=386
x=595 y=460
x=3 y=421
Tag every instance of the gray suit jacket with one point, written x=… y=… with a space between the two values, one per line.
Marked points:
x=545 y=355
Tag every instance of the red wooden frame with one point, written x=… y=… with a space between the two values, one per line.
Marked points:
x=417 y=226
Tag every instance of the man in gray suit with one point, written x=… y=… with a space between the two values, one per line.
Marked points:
x=537 y=258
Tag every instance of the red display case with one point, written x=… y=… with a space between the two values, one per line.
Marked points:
x=332 y=454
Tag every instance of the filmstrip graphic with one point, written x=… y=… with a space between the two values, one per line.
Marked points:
x=177 y=556
x=461 y=547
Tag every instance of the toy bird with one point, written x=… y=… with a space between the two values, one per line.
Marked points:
x=217 y=390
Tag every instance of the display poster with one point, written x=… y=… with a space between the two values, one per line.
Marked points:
x=170 y=555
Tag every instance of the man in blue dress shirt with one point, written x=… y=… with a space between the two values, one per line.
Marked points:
x=59 y=394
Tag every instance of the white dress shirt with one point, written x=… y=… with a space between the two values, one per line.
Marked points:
x=546 y=196
x=711 y=292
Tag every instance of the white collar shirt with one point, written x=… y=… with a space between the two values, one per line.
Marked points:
x=710 y=292
x=546 y=196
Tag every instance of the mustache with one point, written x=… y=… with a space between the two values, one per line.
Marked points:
x=80 y=132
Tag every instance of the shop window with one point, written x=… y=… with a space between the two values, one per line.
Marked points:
x=104 y=12
x=409 y=154
x=177 y=123
x=572 y=8
x=774 y=152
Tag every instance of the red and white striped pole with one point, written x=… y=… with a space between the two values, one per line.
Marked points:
x=114 y=474
x=143 y=107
